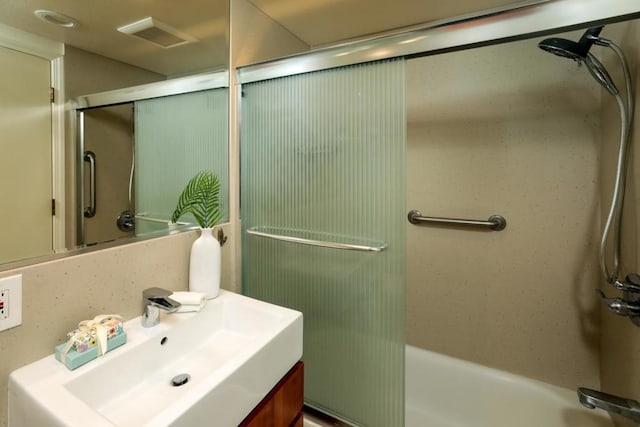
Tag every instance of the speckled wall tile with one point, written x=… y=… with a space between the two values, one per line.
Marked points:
x=59 y=294
x=507 y=130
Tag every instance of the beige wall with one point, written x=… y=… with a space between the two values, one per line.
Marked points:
x=59 y=294
x=513 y=131
x=87 y=73
x=620 y=339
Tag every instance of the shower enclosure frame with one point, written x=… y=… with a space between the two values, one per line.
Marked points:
x=522 y=21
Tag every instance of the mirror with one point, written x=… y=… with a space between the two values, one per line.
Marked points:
x=138 y=147
x=103 y=46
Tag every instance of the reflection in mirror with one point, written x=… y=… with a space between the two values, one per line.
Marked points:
x=25 y=161
x=38 y=180
x=203 y=23
x=108 y=155
x=136 y=157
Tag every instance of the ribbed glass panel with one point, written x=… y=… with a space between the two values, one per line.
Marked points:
x=176 y=137
x=323 y=159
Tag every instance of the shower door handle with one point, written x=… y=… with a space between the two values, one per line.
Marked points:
x=90 y=211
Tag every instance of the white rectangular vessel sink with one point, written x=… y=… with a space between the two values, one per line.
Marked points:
x=234 y=351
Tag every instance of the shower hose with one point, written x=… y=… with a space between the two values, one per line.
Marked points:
x=614 y=216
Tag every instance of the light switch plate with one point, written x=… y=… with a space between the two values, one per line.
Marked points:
x=10 y=302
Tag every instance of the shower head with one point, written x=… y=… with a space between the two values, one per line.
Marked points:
x=579 y=52
x=569 y=49
x=563 y=48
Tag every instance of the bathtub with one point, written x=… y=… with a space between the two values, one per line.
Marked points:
x=445 y=392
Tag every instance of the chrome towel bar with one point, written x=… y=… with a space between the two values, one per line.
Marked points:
x=495 y=222
x=288 y=235
x=144 y=217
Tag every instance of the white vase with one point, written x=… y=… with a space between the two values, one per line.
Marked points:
x=204 y=265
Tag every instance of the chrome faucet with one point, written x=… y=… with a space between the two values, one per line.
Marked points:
x=154 y=300
x=616 y=405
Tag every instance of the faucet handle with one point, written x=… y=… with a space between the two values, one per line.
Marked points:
x=631 y=283
x=155 y=292
x=160 y=298
x=619 y=306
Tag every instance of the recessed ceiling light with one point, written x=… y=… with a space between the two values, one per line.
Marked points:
x=56 y=18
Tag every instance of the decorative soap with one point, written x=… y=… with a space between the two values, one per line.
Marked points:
x=92 y=339
x=74 y=359
x=85 y=336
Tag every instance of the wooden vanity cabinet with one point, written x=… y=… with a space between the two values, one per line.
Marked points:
x=282 y=407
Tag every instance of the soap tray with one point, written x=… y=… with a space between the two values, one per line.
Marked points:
x=75 y=359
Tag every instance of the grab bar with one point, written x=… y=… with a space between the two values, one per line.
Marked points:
x=276 y=234
x=495 y=222
x=90 y=211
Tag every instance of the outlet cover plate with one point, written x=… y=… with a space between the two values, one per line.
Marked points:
x=11 y=288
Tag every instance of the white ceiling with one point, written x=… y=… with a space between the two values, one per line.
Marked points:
x=315 y=22
x=206 y=20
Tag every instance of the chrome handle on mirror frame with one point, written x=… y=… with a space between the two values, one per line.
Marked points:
x=90 y=211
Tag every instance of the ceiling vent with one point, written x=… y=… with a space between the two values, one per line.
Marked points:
x=157 y=32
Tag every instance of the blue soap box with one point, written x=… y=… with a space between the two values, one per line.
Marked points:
x=75 y=359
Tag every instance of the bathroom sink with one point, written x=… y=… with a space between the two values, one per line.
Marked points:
x=234 y=351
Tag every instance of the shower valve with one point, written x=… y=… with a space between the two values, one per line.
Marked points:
x=630 y=284
x=126 y=221
x=620 y=306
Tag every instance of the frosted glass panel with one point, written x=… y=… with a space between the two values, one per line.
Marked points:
x=323 y=159
x=176 y=137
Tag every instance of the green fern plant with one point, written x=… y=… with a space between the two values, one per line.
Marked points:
x=200 y=198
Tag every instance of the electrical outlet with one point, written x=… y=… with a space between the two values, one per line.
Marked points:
x=10 y=302
x=4 y=303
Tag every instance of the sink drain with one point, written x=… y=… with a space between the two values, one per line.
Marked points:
x=179 y=380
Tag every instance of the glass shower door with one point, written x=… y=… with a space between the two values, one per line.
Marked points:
x=323 y=199
x=176 y=137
